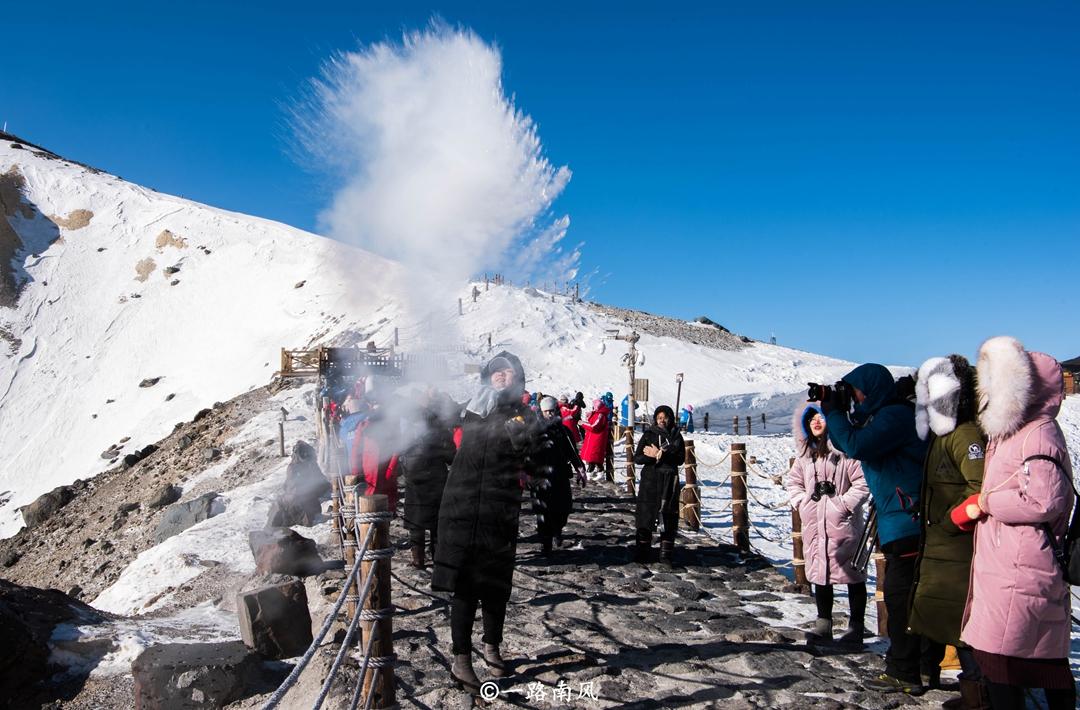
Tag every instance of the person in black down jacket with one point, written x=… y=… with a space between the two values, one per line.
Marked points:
x=554 y=497
x=426 y=464
x=478 y=519
x=660 y=452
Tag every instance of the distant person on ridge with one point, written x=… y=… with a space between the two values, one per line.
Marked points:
x=880 y=434
x=660 y=452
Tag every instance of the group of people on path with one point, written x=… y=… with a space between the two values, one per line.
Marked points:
x=972 y=489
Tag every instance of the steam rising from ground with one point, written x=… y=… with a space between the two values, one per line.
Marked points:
x=438 y=169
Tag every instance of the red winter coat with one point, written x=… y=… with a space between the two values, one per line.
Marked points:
x=596 y=436
x=379 y=468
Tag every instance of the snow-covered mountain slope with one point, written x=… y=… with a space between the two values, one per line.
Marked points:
x=98 y=313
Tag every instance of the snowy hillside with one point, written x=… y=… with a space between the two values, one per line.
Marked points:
x=99 y=312
x=119 y=284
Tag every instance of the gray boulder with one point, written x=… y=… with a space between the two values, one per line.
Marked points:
x=284 y=551
x=46 y=504
x=275 y=620
x=303 y=478
x=177 y=676
x=163 y=495
x=181 y=516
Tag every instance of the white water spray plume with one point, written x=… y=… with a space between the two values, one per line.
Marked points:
x=437 y=167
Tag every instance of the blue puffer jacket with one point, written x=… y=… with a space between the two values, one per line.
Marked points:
x=883 y=438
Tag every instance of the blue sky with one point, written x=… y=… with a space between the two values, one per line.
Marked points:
x=875 y=181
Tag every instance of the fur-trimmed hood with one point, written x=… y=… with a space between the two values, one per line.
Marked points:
x=1015 y=386
x=942 y=387
x=799 y=431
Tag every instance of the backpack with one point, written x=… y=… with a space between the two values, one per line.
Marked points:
x=1068 y=552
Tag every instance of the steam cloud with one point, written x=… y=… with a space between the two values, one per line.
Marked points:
x=437 y=167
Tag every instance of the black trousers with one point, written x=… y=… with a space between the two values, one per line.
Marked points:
x=823 y=596
x=463 y=614
x=907 y=653
x=416 y=537
x=1012 y=697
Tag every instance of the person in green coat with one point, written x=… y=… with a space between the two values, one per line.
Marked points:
x=945 y=415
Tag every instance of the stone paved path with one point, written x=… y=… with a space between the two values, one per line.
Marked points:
x=586 y=628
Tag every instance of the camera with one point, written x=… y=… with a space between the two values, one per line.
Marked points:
x=823 y=489
x=822 y=393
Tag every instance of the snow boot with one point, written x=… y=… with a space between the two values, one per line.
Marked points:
x=886 y=683
x=545 y=546
x=494 y=660
x=822 y=632
x=853 y=637
x=463 y=673
x=667 y=550
x=933 y=679
x=973 y=696
x=417 y=556
x=643 y=549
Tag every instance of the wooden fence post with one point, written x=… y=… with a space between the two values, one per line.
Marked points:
x=797 y=561
x=690 y=498
x=740 y=521
x=281 y=438
x=377 y=614
x=348 y=520
x=763 y=421
x=631 y=481
x=749 y=431
x=879 y=591
x=735 y=422
x=609 y=455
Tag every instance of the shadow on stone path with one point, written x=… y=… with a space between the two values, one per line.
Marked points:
x=587 y=628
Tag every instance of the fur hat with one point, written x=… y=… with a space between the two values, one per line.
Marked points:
x=942 y=385
x=1005 y=386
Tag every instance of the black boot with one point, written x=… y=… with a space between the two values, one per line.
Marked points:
x=417 y=556
x=667 y=550
x=642 y=548
x=545 y=546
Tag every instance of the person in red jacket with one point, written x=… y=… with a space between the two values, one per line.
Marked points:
x=596 y=438
x=374 y=456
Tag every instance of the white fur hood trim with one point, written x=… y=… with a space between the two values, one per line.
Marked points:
x=937 y=397
x=1005 y=386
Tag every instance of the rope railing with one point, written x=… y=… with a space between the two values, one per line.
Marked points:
x=360 y=545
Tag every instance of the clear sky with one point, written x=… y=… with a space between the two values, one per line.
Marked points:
x=875 y=181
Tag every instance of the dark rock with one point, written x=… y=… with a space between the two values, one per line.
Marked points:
x=210 y=453
x=125 y=440
x=109 y=452
x=284 y=551
x=174 y=282
x=147 y=450
x=74 y=592
x=287 y=510
x=170 y=270
x=300 y=284
x=168 y=397
x=303 y=477
x=181 y=516
x=165 y=494
x=197 y=675
x=200 y=414
x=218 y=405
x=184 y=441
x=275 y=620
x=150 y=382
x=131 y=459
x=126 y=508
x=10 y=558
x=48 y=503
x=28 y=617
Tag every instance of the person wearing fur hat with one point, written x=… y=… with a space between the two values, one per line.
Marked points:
x=880 y=433
x=660 y=452
x=953 y=471
x=478 y=518
x=1016 y=616
x=828 y=490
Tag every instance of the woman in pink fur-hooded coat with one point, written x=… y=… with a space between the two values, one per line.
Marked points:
x=832 y=523
x=1017 y=612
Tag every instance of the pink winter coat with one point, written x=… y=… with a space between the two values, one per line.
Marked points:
x=1018 y=601
x=833 y=525
x=594 y=450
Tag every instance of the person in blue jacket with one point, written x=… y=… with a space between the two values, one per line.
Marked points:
x=880 y=433
x=686 y=419
x=355 y=413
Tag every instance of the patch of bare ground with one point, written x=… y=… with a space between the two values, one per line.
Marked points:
x=11 y=203
x=144 y=268
x=90 y=541
x=76 y=220
x=168 y=239
x=13 y=342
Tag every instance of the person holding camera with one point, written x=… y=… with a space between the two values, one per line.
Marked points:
x=660 y=452
x=945 y=417
x=880 y=433
x=828 y=490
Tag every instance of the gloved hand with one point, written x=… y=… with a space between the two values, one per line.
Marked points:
x=967 y=514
